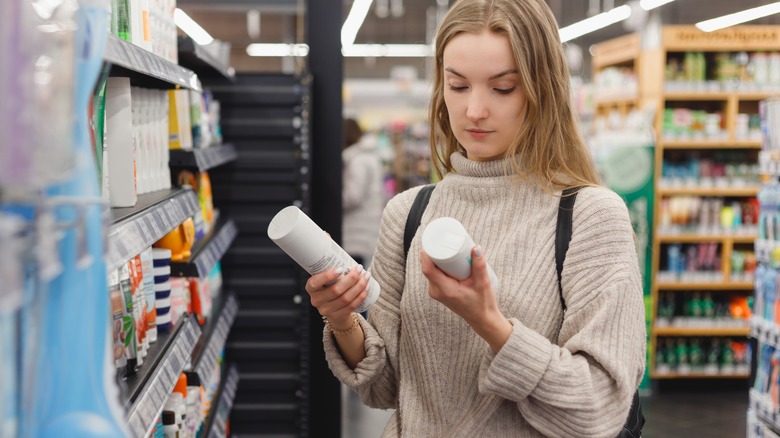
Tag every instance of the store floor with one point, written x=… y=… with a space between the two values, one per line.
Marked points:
x=671 y=414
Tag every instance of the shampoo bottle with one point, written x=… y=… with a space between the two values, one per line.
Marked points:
x=306 y=243
x=449 y=245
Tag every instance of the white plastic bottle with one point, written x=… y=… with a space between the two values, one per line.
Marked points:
x=449 y=245
x=310 y=247
x=119 y=141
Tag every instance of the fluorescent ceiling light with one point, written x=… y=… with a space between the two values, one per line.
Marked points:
x=652 y=4
x=594 y=23
x=277 y=50
x=739 y=17
x=191 y=28
x=388 y=50
x=354 y=20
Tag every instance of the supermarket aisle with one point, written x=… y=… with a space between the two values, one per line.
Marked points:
x=359 y=420
x=691 y=414
x=676 y=414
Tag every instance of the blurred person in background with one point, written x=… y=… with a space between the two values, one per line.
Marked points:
x=362 y=196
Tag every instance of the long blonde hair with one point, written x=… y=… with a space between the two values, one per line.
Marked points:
x=548 y=147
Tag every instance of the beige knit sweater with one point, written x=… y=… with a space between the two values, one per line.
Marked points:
x=444 y=381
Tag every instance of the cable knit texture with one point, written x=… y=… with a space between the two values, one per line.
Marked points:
x=548 y=380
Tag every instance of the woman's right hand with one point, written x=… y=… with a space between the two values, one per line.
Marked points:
x=336 y=301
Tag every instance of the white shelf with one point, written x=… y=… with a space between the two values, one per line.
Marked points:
x=215 y=336
x=207 y=252
x=762 y=407
x=145 y=68
x=221 y=407
x=155 y=215
x=203 y=159
x=151 y=387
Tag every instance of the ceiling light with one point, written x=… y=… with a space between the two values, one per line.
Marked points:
x=388 y=50
x=594 y=23
x=354 y=20
x=652 y=4
x=277 y=50
x=191 y=28
x=739 y=17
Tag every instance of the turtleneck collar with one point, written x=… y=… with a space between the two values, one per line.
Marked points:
x=465 y=167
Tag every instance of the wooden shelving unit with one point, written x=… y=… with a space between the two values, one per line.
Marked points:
x=649 y=67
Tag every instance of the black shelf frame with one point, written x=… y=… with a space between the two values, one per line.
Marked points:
x=155 y=214
x=146 y=69
x=222 y=404
x=215 y=334
x=203 y=159
x=208 y=251
x=153 y=383
x=196 y=58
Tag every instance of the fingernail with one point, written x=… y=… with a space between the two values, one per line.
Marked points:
x=360 y=269
x=339 y=270
x=478 y=251
x=367 y=275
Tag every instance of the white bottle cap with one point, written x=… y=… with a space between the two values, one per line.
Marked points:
x=449 y=245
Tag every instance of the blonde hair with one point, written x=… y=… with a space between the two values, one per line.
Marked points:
x=548 y=147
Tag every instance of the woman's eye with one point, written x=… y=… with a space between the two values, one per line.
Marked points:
x=504 y=90
x=455 y=88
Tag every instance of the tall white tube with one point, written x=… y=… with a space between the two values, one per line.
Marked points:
x=306 y=243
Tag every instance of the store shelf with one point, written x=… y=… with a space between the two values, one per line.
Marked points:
x=695 y=238
x=618 y=101
x=215 y=334
x=766 y=332
x=216 y=423
x=207 y=252
x=695 y=96
x=701 y=331
x=196 y=58
x=150 y=388
x=145 y=68
x=707 y=191
x=715 y=96
x=698 y=376
x=705 y=286
x=762 y=406
x=203 y=159
x=155 y=214
x=708 y=144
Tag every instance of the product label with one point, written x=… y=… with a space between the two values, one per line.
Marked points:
x=116 y=324
x=128 y=325
x=333 y=258
x=147 y=268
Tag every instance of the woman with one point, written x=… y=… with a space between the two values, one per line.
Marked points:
x=460 y=358
x=363 y=193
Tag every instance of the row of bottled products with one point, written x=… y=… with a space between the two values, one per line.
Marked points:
x=134 y=129
x=701 y=262
x=708 y=215
x=701 y=309
x=713 y=356
x=719 y=170
x=699 y=72
x=686 y=124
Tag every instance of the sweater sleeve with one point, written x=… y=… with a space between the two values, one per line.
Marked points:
x=584 y=385
x=375 y=378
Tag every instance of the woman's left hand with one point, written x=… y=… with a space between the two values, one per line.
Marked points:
x=472 y=299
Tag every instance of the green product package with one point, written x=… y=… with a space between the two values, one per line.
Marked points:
x=120 y=19
x=99 y=122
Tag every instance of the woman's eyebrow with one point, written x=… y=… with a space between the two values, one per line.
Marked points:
x=508 y=71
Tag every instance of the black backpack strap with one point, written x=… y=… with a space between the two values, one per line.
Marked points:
x=636 y=419
x=415 y=215
x=563 y=233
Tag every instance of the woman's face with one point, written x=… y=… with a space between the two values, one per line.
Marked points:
x=482 y=92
